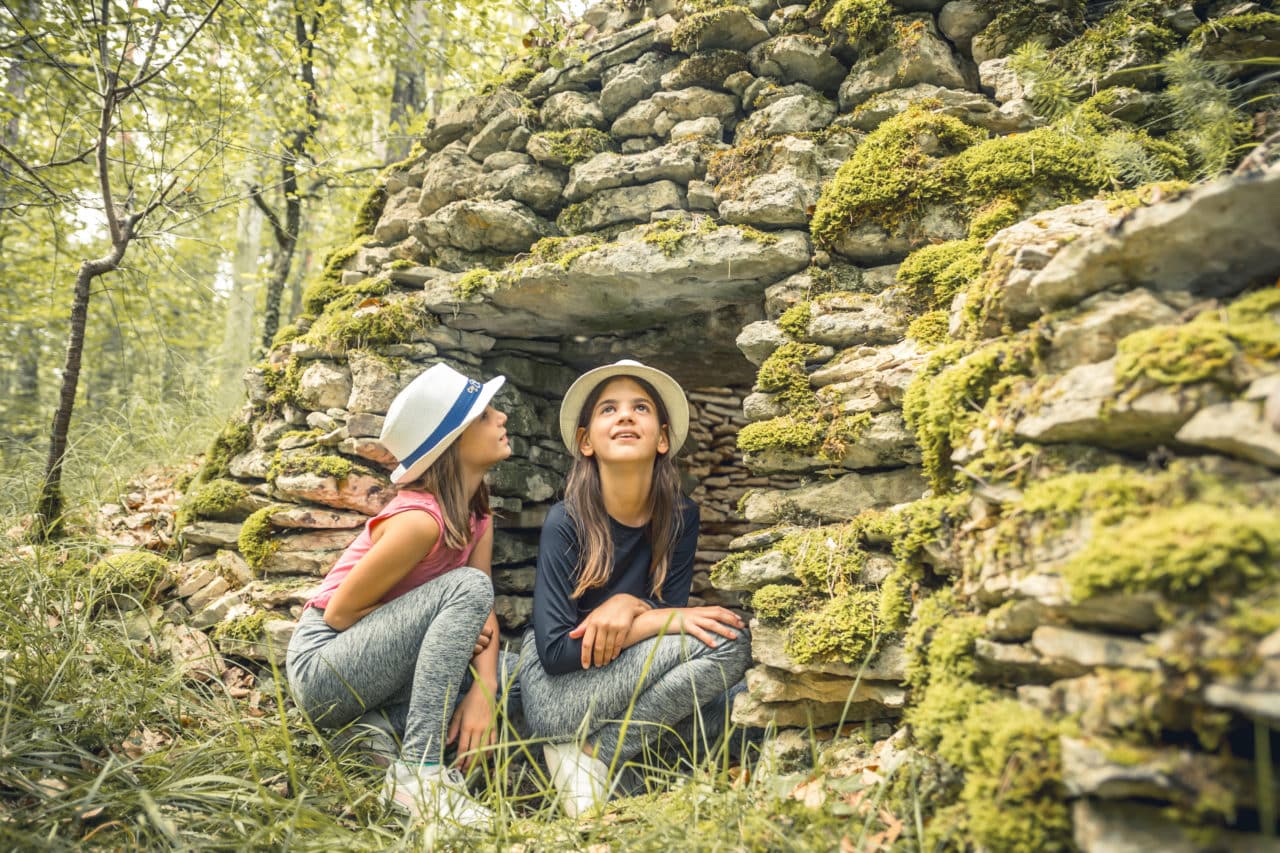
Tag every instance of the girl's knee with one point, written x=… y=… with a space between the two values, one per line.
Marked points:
x=735 y=654
x=473 y=585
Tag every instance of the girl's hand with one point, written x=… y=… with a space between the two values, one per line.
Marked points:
x=704 y=622
x=483 y=641
x=603 y=631
x=472 y=725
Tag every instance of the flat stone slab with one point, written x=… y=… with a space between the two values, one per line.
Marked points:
x=836 y=500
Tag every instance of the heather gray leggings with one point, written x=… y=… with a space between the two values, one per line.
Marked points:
x=672 y=681
x=414 y=650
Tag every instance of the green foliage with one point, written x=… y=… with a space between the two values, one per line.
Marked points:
x=1045 y=161
x=936 y=273
x=794 y=322
x=370 y=210
x=844 y=628
x=136 y=573
x=255 y=543
x=776 y=603
x=1180 y=552
x=783 y=373
x=326 y=289
x=930 y=329
x=1206 y=349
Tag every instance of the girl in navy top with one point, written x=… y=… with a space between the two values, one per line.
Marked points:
x=615 y=656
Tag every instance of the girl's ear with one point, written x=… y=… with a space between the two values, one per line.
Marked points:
x=663 y=443
x=584 y=443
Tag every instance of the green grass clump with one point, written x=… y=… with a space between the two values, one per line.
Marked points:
x=249 y=628
x=135 y=573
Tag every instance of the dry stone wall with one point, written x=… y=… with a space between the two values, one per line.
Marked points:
x=986 y=416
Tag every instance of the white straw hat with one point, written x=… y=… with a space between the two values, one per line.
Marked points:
x=426 y=417
x=673 y=399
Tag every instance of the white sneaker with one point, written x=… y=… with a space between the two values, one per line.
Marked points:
x=433 y=794
x=582 y=782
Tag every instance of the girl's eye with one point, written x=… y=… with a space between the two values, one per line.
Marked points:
x=642 y=407
x=606 y=409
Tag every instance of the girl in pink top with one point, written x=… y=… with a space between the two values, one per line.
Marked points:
x=407 y=610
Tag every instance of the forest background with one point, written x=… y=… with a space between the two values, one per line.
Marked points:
x=171 y=177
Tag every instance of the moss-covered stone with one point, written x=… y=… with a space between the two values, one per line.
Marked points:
x=139 y=574
x=783 y=373
x=234 y=438
x=930 y=329
x=794 y=322
x=325 y=290
x=863 y=23
x=255 y=542
x=472 y=283
x=214 y=499
x=934 y=274
x=686 y=35
x=369 y=323
x=337 y=259
x=577 y=144
x=310 y=462
x=248 y=628
x=370 y=210
x=891 y=178
x=1200 y=351
x=785 y=432
x=1020 y=20
x=1054 y=166
x=776 y=603
x=1179 y=552
x=844 y=628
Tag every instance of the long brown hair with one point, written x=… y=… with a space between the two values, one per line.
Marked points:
x=443 y=478
x=584 y=500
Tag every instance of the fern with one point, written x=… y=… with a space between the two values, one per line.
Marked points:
x=1049 y=86
x=1207 y=122
x=1128 y=162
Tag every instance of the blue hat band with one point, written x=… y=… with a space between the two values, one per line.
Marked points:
x=453 y=419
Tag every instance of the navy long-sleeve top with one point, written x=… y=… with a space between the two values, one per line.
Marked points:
x=556 y=613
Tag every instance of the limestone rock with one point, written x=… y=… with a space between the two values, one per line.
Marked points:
x=192 y=652
x=360 y=491
x=213 y=589
x=961 y=20
x=375 y=382
x=970 y=107
x=614 y=207
x=1013 y=663
x=477 y=225
x=632 y=83
x=1085 y=405
x=769 y=567
x=601 y=55
x=871 y=379
x=776 y=685
x=517 y=477
x=450 y=176
x=798 y=59
x=401 y=208
x=768 y=647
x=884 y=443
x=534 y=186
x=1092 y=335
x=324 y=386
x=732 y=28
x=836 y=500
x=925 y=58
x=855 y=319
x=270 y=647
x=496 y=134
x=749 y=711
x=629 y=284
x=214 y=612
x=680 y=162
x=1129 y=827
x=798 y=113
x=514 y=580
x=564 y=110
x=1090 y=650
x=696 y=102
x=759 y=406
x=1237 y=429
x=1161 y=247
x=758 y=340
x=792 y=171
x=1168 y=775
x=870 y=243
x=310 y=563
x=212 y=533
x=513 y=611
x=709 y=70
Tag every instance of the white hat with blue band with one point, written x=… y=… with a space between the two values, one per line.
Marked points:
x=429 y=414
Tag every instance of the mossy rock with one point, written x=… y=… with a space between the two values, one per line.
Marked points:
x=141 y=575
x=220 y=499
x=255 y=543
x=234 y=438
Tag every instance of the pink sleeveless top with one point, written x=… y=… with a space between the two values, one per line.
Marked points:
x=440 y=560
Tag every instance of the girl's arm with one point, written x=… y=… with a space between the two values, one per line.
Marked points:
x=486 y=663
x=399 y=543
x=472 y=723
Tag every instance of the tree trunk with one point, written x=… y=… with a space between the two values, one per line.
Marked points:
x=237 y=339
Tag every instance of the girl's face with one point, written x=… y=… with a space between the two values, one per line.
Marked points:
x=484 y=442
x=623 y=425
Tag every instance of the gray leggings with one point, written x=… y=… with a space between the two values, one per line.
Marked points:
x=672 y=680
x=412 y=651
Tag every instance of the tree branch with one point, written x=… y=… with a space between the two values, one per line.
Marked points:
x=255 y=193
x=28 y=169
x=142 y=81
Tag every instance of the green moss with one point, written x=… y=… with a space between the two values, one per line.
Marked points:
x=562 y=251
x=994 y=216
x=472 y=283
x=1054 y=166
x=1252 y=22
x=337 y=259
x=577 y=144
x=843 y=628
x=725 y=572
x=1200 y=351
x=689 y=31
x=1133 y=32
x=794 y=322
x=1020 y=20
x=668 y=234
x=1258 y=306
x=573 y=219
x=135 y=573
x=1180 y=552
x=370 y=323
x=777 y=602
x=934 y=274
x=782 y=433
x=826 y=560
x=325 y=290
x=234 y=439
x=783 y=373
x=248 y=628
x=286 y=333
x=925 y=523
x=941 y=403
x=930 y=329
x=856 y=22
x=890 y=178
x=282 y=382
x=370 y=210
x=710 y=67
x=310 y=462
x=214 y=499
x=255 y=541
